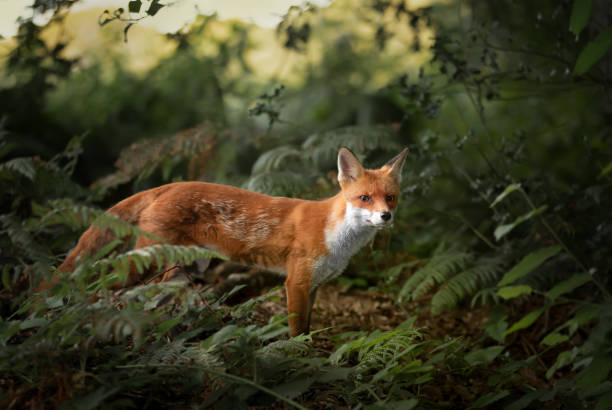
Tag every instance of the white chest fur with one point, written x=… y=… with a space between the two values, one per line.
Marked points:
x=343 y=241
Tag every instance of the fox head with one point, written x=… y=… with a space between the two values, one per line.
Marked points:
x=371 y=194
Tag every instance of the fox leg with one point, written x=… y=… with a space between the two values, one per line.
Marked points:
x=300 y=297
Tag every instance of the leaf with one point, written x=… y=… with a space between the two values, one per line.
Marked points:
x=581 y=11
x=94 y=399
x=295 y=387
x=528 y=264
x=583 y=315
x=554 y=338
x=221 y=336
x=483 y=356
x=593 y=51
x=168 y=324
x=134 y=6
x=125 y=31
x=502 y=230
x=569 y=285
x=604 y=402
x=526 y=321
x=6 y=277
x=606 y=170
x=526 y=400
x=496 y=327
x=154 y=7
x=509 y=292
x=489 y=398
x=509 y=189
x=563 y=359
x=23 y=166
x=596 y=372
x=335 y=373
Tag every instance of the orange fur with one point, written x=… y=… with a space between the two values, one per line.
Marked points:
x=309 y=241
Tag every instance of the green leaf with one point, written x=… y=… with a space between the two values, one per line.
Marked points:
x=554 y=338
x=581 y=11
x=569 y=285
x=594 y=51
x=604 y=402
x=583 y=315
x=295 y=387
x=483 y=356
x=502 y=230
x=509 y=189
x=528 y=264
x=168 y=324
x=94 y=399
x=134 y=6
x=563 y=359
x=6 y=278
x=526 y=400
x=596 y=372
x=509 y=292
x=489 y=398
x=606 y=170
x=526 y=321
x=154 y=7
x=23 y=166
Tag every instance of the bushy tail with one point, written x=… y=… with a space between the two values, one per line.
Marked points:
x=94 y=238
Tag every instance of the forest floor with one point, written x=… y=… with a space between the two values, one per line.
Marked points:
x=341 y=309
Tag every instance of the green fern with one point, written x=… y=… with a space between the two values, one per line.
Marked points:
x=67 y=212
x=23 y=239
x=274 y=159
x=322 y=148
x=144 y=258
x=484 y=273
x=443 y=263
x=23 y=166
x=283 y=183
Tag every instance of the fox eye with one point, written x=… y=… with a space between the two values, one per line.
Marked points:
x=365 y=198
x=390 y=198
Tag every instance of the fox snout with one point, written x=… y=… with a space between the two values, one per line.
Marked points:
x=382 y=218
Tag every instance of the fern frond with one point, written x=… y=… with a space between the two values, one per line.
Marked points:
x=23 y=239
x=484 y=273
x=274 y=159
x=76 y=216
x=323 y=147
x=146 y=257
x=23 y=166
x=284 y=183
x=443 y=263
x=386 y=348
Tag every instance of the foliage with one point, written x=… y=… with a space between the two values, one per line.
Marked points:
x=505 y=203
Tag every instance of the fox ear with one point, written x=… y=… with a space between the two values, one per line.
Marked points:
x=349 y=167
x=395 y=164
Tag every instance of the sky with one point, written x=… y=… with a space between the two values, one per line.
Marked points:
x=265 y=13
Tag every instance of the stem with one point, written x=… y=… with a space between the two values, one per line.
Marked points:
x=225 y=375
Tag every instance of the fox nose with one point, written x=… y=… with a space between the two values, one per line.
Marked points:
x=386 y=216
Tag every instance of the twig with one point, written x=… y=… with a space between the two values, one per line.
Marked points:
x=190 y=279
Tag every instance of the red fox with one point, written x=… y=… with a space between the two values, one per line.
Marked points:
x=308 y=241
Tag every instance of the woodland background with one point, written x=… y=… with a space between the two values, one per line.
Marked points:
x=491 y=290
